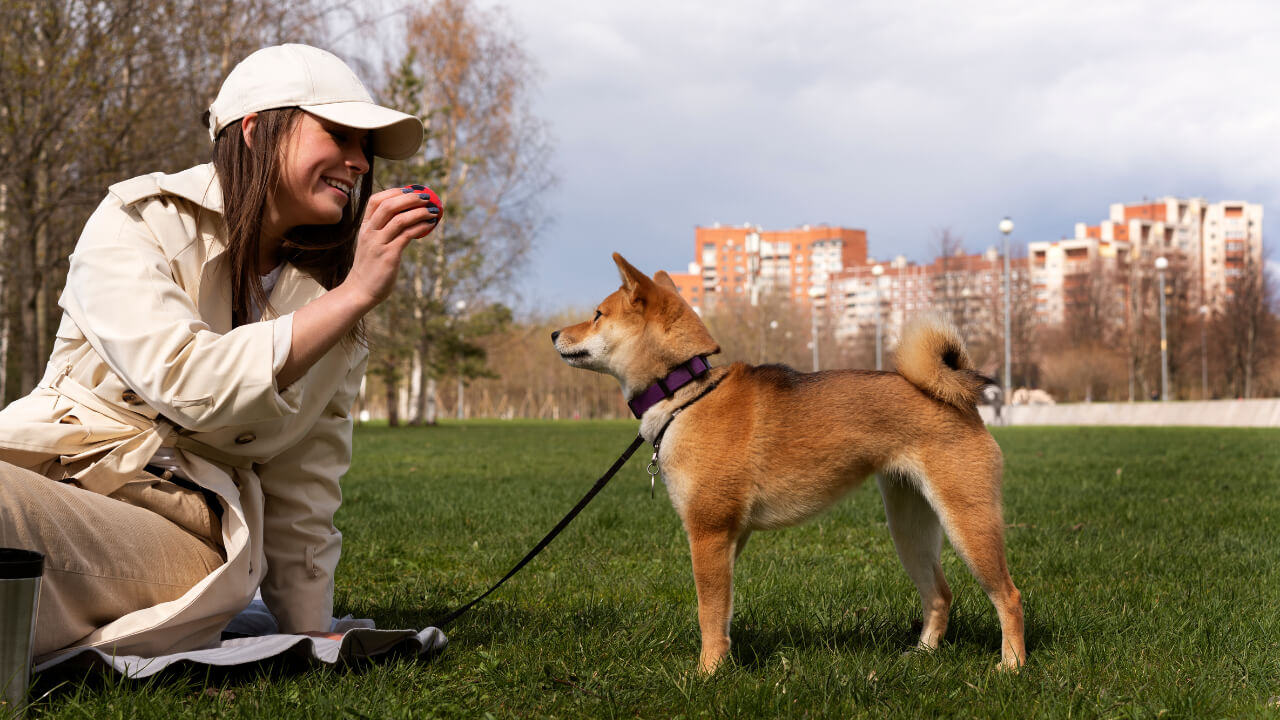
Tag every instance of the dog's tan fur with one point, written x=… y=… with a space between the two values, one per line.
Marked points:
x=771 y=447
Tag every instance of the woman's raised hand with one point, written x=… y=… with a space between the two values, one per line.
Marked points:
x=391 y=220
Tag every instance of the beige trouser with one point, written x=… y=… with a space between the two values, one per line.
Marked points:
x=106 y=556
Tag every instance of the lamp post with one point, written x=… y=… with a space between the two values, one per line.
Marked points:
x=460 y=306
x=1006 y=227
x=815 y=292
x=876 y=272
x=1161 y=264
x=1204 y=357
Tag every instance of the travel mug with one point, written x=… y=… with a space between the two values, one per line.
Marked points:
x=20 y=572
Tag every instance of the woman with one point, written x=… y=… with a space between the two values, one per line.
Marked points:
x=184 y=447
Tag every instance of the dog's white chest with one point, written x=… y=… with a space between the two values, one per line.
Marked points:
x=677 y=490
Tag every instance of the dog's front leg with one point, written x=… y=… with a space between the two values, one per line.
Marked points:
x=713 y=553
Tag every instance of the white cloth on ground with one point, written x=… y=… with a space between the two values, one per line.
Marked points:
x=256 y=637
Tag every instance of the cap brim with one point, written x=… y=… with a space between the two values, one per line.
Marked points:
x=395 y=135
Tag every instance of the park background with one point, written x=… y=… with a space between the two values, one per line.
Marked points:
x=560 y=132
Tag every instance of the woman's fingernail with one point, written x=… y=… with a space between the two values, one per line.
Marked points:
x=405 y=190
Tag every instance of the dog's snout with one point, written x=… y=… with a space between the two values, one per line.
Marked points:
x=555 y=334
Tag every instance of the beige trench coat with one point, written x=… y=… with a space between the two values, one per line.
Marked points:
x=146 y=357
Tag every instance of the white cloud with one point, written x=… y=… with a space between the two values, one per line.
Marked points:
x=895 y=117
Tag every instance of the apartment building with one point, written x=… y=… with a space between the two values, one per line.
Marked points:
x=746 y=260
x=828 y=268
x=1216 y=241
x=967 y=287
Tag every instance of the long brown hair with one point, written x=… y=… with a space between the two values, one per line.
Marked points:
x=249 y=174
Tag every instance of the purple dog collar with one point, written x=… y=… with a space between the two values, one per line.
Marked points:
x=664 y=388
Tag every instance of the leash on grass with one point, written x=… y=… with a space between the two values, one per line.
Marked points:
x=604 y=480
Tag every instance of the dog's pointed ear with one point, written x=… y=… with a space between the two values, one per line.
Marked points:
x=634 y=282
x=662 y=279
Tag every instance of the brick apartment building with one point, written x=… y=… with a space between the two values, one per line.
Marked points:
x=745 y=260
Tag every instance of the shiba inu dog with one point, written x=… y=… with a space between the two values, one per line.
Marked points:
x=744 y=448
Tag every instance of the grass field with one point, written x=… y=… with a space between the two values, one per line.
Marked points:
x=1148 y=561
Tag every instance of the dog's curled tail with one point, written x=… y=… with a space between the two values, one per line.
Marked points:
x=932 y=357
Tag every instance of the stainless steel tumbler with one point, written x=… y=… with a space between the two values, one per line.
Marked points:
x=20 y=572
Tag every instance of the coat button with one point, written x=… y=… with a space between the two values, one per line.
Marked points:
x=246 y=439
x=131 y=397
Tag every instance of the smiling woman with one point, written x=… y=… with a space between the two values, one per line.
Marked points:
x=184 y=448
x=323 y=161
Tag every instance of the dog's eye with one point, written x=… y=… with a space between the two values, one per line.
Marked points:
x=597 y=317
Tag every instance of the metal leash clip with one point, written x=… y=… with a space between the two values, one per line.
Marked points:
x=652 y=469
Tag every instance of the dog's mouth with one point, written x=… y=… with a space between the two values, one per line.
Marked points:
x=575 y=355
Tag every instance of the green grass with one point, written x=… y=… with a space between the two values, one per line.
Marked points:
x=1148 y=561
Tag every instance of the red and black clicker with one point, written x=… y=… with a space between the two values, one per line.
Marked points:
x=433 y=200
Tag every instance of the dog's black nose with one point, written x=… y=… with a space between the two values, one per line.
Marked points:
x=555 y=335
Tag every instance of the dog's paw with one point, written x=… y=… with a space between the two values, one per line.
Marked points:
x=1010 y=666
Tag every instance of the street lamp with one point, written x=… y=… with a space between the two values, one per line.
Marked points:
x=815 y=292
x=1204 y=358
x=1006 y=227
x=460 y=306
x=876 y=272
x=1161 y=264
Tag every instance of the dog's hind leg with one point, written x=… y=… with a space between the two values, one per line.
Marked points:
x=713 y=555
x=966 y=494
x=917 y=535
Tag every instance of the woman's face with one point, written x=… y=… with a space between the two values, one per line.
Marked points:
x=319 y=171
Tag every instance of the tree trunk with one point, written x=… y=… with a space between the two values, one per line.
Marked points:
x=391 y=397
x=431 y=415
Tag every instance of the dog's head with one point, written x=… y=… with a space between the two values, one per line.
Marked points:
x=639 y=333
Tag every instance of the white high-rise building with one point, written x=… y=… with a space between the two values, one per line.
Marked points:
x=1217 y=242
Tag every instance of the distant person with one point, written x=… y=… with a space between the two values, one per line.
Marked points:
x=184 y=447
x=994 y=396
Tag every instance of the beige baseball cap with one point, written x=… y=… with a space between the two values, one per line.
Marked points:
x=321 y=84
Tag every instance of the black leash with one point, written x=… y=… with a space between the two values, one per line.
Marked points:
x=604 y=480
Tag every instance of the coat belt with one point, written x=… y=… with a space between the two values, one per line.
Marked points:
x=124 y=458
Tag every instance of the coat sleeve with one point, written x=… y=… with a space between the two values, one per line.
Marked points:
x=122 y=295
x=301 y=496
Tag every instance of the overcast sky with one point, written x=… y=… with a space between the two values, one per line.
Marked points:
x=901 y=118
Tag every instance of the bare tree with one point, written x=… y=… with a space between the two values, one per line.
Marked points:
x=1024 y=329
x=92 y=93
x=1092 y=329
x=1246 y=329
x=774 y=330
x=486 y=154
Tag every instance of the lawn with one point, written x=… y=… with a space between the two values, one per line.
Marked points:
x=1148 y=561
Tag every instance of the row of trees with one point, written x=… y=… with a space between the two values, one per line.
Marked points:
x=1109 y=346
